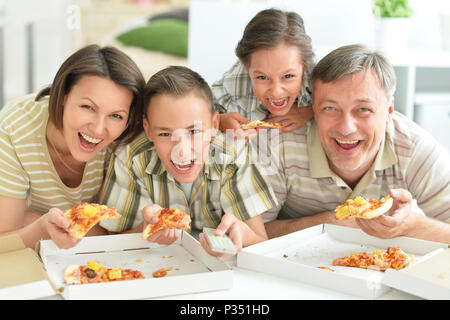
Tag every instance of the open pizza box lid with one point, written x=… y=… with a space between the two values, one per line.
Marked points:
x=22 y=275
x=297 y=255
x=191 y=268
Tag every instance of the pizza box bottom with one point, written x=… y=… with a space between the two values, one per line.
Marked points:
x=22 y=275
x=191 y=269
x=297 y=255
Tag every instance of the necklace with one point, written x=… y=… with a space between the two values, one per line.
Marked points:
x=62 y=161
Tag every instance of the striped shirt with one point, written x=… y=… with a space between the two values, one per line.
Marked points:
x=228 y=183
x=234 y=93
x=409 y=158
x=26 y=169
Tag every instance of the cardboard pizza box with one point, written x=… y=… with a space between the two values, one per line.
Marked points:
x=429 y=279
x=297 y=255
x=22 y=275
x=191 y=269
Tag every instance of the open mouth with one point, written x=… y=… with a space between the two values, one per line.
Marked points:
x=183 y=167
x=87 y=142
x=347 y=144
x=279 y=103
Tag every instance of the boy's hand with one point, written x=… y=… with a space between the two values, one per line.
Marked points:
x=295 y=118
x=231 y=226
x=165 y=236
x=230 y=123
x=57 y=227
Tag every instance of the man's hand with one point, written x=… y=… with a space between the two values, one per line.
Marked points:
x=230 y=123
x=295 y=118
x=401 y=220
x=164 y=236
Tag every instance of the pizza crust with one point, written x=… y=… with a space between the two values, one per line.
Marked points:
x=261 y=124
x=85 y=215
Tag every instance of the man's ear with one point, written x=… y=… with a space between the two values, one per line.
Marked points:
x=146 y=125
x=390 y=109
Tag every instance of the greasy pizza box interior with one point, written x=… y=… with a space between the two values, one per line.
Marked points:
x=297 y=256
x=22 y=275
x=189 y=268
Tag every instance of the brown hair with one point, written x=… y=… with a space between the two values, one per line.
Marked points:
x=177 y=81
x=271 y=27
x=106 y=62
x=350 y=59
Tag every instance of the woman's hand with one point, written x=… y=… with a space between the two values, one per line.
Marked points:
x=57 y=227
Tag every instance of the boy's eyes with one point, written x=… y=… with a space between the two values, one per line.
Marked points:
x=167 y=134
x=289 y=76
x=164 y=134
x=261 y=77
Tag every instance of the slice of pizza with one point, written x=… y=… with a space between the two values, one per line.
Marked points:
x=85 y=215
x=363 y=208
x=168 y=218
x=261 y=124
x=95 y=272
x=394 y=258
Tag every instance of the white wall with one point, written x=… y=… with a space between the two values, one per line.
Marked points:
x=52 y=39
x=217 y=25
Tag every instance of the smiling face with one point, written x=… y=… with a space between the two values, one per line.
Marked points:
x=95 y=113
x=181 y=127
x=351 y=115
x=276 y=75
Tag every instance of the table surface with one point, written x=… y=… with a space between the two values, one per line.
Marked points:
x=252 y=285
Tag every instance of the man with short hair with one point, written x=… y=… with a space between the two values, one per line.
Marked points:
x=357 y=145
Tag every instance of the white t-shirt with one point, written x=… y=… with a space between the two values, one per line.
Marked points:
x=187 y=189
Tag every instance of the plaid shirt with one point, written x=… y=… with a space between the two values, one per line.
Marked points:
x=234 y=93
x=229 y=183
